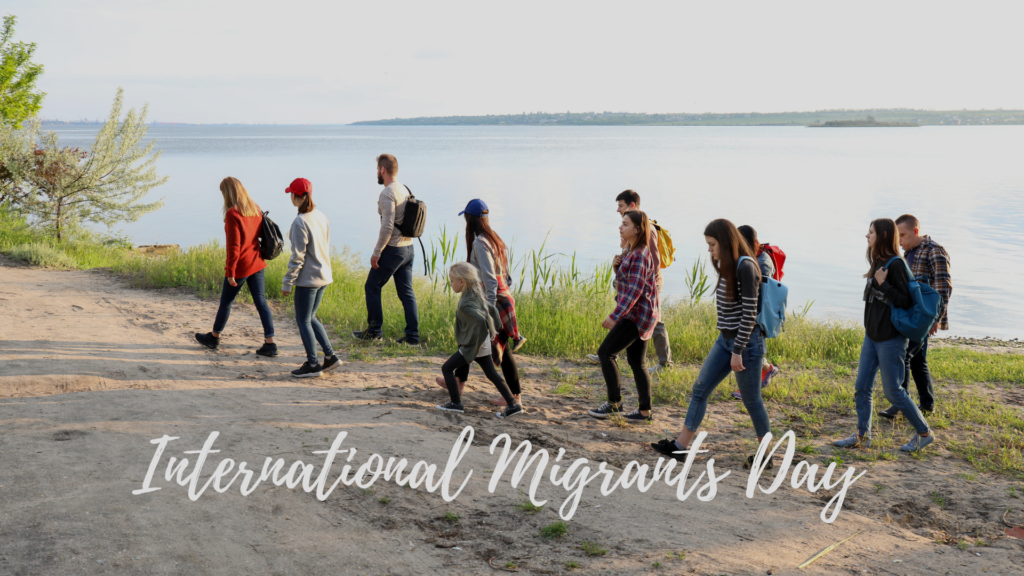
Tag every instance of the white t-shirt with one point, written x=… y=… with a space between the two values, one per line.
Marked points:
x=485 y=349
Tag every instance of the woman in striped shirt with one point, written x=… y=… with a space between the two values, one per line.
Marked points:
x=740 y=346
x=631 y=324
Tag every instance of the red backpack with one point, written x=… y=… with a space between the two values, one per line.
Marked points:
x=778 y=258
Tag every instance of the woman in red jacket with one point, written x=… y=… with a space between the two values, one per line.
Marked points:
x=242 y=221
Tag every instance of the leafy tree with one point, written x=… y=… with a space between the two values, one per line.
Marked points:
x=19 y=100
x=106 y=184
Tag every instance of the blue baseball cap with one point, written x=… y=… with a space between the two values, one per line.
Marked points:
x=476 y=207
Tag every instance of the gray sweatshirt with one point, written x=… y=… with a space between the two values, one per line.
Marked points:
x=310 y=264
x=483 y=258
x=391 y=207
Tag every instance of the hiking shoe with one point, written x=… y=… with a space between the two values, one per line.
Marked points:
x=517 y=344
x=409 y=340
x=636 y=417
x=668 y=448
x=367 y=335
x=766 y=378
x=268 y=349
x=854 y=441
x=926 y=410
x=594 y=358
x=307 y=371
x=331 y=363
x=450 y=407
x=890 y=412
x=513 y=410
x=208 y=340
x=917 y=442
x=750 y=462
x=605 y=410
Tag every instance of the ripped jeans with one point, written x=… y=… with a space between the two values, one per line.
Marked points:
x=717 y=367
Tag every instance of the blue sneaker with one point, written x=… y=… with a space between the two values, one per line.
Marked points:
x=854 y=441
x=917 y=442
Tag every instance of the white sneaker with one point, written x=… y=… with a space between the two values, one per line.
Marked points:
x=594 y=358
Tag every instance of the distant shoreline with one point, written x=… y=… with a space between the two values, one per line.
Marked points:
x=795 y=119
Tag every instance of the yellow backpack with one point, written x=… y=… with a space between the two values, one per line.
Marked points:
x=666 y=252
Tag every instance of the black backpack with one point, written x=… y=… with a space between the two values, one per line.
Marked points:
x=415 y=217
x=414 y=221
x=271 y=241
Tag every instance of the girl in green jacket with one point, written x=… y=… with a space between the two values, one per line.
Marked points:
x=475 y=320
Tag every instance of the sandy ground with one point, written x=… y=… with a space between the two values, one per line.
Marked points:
x=91 y=371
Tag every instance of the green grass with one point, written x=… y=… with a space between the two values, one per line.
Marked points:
x=451 y=517
x=554 y=530
x=592 y=549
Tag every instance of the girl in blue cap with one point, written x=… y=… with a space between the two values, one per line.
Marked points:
x=486 y=251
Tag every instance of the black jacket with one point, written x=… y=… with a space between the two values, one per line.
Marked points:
x=877 y=313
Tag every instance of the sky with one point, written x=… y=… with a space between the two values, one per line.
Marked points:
x=301 y=62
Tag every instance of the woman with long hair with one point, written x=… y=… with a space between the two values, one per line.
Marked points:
x=244 y=265
x=740 y=346
x=309 y=273
x=631 y=324
x=475 y=322
x=767 y=266
x=486 y=251
x=884 y=348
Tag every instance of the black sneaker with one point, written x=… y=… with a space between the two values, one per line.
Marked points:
x=750 y=462
x=635 y=417
x=450 y=407
x=331 y=363
x=926 y=410
x=668 y=448
x=513 y=410
x=267 y=349
x=208 y=340
x=307 y=371
x=409 y=340
x=368 y=335
x=517 y=344
x=605 y=410
x=890 y=412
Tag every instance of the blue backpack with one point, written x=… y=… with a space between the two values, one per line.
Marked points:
x=771 y=314
x=916 y=322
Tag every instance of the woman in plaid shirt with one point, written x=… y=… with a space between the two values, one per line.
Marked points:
x=631 y=324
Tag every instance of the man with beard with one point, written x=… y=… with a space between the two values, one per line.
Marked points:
x=392 y=256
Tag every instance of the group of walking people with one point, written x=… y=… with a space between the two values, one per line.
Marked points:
x=487 y=331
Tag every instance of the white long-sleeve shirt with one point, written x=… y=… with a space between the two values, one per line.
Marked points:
x=391 y=207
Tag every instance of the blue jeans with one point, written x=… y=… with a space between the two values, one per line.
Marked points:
x=257 y=289
x=717 y=366
x=887 y=357
x=395 y=262
x=307 y=302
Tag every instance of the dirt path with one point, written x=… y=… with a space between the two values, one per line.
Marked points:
x=91 y=371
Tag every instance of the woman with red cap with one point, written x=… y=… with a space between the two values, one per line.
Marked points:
x=309 y=273
x=244 y=265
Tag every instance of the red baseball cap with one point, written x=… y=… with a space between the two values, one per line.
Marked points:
x=299 y=186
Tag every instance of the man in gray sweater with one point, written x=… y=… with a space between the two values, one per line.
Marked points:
x=392 y=257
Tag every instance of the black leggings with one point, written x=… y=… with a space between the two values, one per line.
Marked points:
x=508 y=369
x=457 y=362
x=625 y=335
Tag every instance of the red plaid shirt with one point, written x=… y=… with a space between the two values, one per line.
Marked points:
x=931 y=260
x=636 y=292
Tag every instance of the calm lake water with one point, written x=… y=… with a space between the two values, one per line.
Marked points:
x=811 y=191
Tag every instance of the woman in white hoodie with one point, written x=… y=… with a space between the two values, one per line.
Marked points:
x=309 y=273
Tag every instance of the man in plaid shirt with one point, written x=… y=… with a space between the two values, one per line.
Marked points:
x=928 y=259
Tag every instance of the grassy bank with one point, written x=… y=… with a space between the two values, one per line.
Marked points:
x=560 y=309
